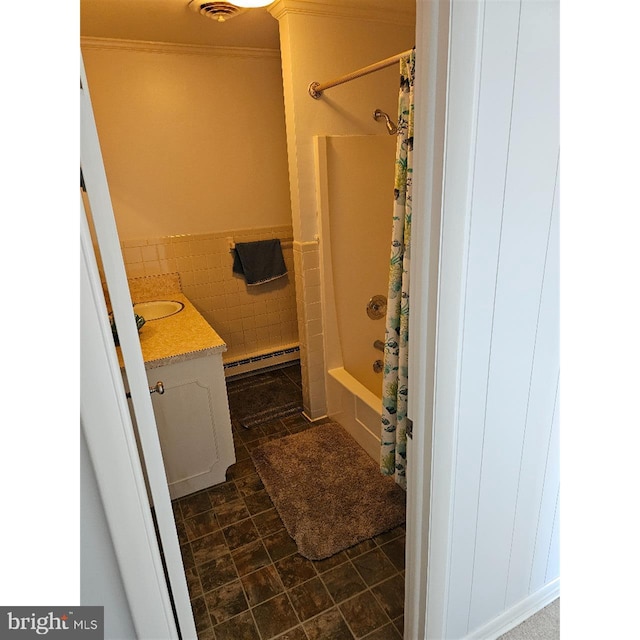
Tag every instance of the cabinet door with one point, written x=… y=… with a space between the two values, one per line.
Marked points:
x=193 y=423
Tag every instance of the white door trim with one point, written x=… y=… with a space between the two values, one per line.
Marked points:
x=462 y=99
x=447 y=42
x=115 y=275
x=108 y=431
x=432 y=37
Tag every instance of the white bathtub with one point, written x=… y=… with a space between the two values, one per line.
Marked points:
x=358 y=410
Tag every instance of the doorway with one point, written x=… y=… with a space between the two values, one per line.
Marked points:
x=422 y=499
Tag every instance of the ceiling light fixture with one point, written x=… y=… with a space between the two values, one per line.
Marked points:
x=222 y=11
x=251 y=4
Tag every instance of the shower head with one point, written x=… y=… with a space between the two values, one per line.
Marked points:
x=391 y=128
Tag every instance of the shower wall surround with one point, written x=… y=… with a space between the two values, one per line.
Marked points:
x=317 y=42
x=253 y=320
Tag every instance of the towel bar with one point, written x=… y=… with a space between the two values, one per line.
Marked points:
x=285 y=244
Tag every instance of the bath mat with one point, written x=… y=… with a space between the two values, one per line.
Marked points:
x=263 y=397
x=329 y=493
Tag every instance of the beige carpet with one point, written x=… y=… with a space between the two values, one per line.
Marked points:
x=543 y=625
x=329 y=493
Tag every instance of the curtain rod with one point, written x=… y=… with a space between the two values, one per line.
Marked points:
x=316 y=88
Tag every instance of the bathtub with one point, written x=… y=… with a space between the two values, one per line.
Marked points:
x=355 y=177
x=356 y=408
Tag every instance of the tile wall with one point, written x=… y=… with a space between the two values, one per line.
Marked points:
x=251 y=320
x=306 y=257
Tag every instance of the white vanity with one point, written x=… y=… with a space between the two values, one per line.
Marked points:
x=184 y=353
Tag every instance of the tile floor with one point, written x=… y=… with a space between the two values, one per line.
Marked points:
x=245 y=577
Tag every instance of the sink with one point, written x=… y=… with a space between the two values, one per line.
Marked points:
x=156 y=309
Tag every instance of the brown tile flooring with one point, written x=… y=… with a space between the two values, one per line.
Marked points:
x=246 y=579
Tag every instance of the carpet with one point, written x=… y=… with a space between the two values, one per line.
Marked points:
x=543 y=625
x=263 y=397
x=329 y=493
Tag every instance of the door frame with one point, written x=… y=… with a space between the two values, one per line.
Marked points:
x=428 y=484
x=448 y=47
x=172 y=590
x=106 y=424
x=432 y=53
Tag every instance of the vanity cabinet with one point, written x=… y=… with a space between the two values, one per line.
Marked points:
x=194 y=428
x=184 y=352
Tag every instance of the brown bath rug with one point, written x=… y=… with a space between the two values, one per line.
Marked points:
x=329 y=493
x=264 y=397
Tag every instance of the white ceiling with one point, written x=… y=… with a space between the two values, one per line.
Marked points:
x=174 y=21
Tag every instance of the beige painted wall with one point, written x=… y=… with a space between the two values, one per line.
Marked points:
x=194 y=147
x=337 y=40
x=193 y=138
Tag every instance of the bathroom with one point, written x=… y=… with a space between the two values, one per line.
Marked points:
x=280 y=159
x=174 y=205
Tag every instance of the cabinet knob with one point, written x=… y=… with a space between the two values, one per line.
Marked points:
x=159 y=388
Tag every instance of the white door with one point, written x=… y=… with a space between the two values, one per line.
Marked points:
x=109 y=249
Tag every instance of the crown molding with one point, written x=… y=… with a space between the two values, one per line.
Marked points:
x=177 y=49
x=373 y=10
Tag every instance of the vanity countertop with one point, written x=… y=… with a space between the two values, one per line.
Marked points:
x=182 y=336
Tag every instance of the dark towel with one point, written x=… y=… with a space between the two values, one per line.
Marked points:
x=259 y=262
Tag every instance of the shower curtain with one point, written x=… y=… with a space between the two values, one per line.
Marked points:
x=393 y=454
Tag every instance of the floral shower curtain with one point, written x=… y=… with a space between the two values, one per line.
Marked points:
x=393 y=455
